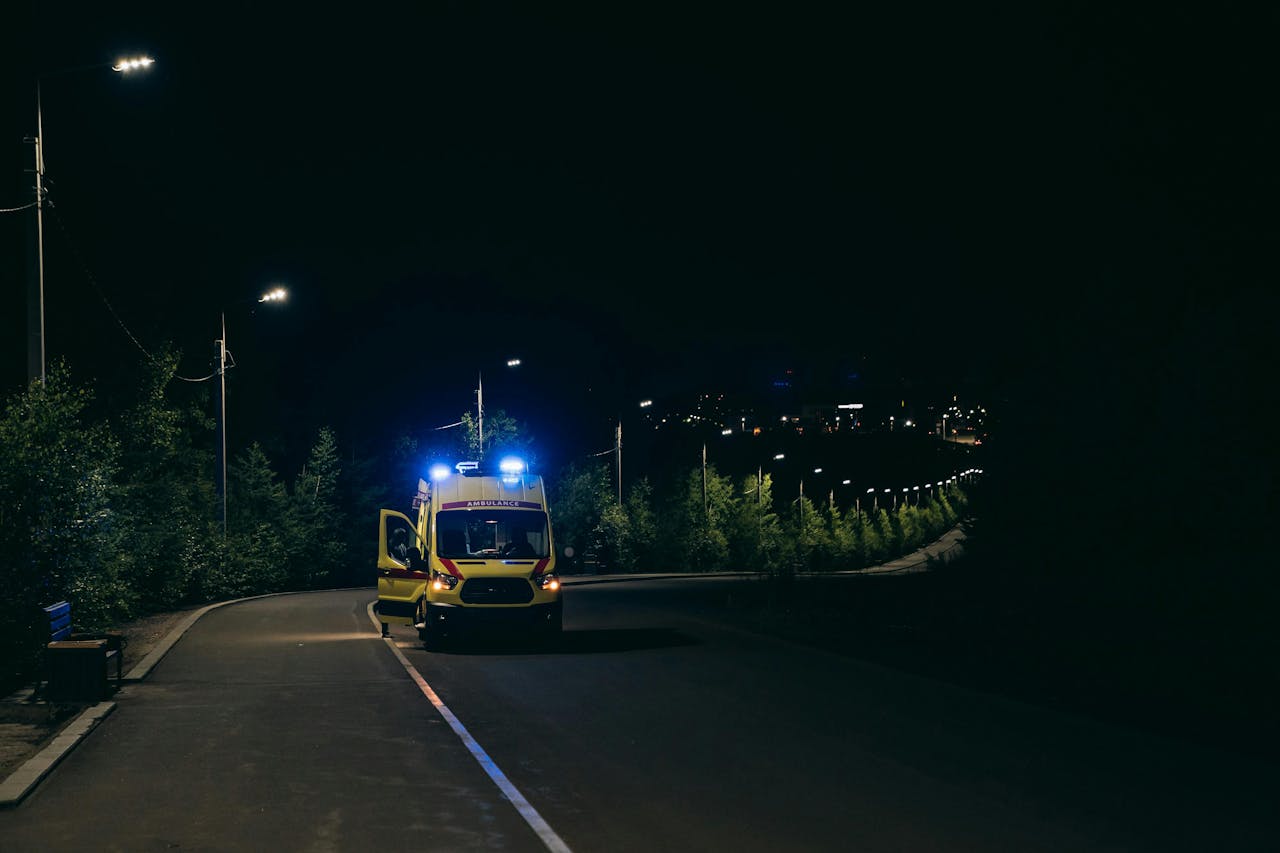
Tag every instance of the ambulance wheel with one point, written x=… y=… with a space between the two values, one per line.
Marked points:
x=554 y=625
x=427 y=633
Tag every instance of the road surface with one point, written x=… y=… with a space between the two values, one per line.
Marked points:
x=286 y=723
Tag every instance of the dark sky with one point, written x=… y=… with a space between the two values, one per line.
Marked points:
x=638 y=197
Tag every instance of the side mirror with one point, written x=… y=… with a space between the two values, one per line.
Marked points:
x=415 y=559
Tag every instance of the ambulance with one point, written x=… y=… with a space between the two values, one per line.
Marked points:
x=477 y=558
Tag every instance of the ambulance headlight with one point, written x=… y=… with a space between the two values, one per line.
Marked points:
x=441 y=581
x=549 y=582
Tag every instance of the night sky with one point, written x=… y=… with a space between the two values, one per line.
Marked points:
x=1067 y=208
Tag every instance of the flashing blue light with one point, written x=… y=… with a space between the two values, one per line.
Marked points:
x=439 y=472
x=511 y=465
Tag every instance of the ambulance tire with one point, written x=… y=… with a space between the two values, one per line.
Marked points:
x=428 y=633
x=554 y=625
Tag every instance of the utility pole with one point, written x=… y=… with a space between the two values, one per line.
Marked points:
x=35 y=258
x=220 y=409
x=35 y=251
x=480 y=414
x=800 y=503
x=617 y=452
x=706 y=508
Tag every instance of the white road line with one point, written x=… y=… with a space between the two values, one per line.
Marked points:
x=528 y=812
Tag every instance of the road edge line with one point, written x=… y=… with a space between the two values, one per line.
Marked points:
x=536 y=822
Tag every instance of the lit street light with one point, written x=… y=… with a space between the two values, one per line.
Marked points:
x=511 y=362
x=35 y=265
x=277 y=294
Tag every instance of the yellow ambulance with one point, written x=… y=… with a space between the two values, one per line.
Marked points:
x=479 y=555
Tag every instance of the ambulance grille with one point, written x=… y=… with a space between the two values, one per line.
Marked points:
x=497 y=591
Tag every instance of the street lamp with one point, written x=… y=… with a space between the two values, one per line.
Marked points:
x=277 y=294
x=35 y=266
x=511 y=362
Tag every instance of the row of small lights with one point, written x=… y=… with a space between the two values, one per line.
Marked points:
x=872 y=490
x=644 y=404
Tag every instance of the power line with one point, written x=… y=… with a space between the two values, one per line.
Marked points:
x=98 y=289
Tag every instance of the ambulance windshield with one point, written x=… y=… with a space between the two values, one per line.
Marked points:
x=492 y=533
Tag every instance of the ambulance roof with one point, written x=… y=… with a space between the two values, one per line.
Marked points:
x=524 y=491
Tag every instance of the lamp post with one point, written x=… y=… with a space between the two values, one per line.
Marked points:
x=220 y=408
x=512 y=363
x=35 y=264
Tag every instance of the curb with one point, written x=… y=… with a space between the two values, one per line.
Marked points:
x=143 y=667
x=24 y=780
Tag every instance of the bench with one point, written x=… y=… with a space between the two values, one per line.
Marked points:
x=77 y=664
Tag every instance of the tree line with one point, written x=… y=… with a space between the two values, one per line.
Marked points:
x=113 y=509
x=707 y=521
x=111 y=505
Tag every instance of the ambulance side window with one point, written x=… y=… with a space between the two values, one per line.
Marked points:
x=400 y=538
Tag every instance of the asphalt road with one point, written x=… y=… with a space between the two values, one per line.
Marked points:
x=285 y=723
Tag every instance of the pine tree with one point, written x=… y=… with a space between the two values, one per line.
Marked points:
x=164 y=495
x=315 y=536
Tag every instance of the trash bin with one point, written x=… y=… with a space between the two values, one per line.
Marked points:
x=77 y=671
